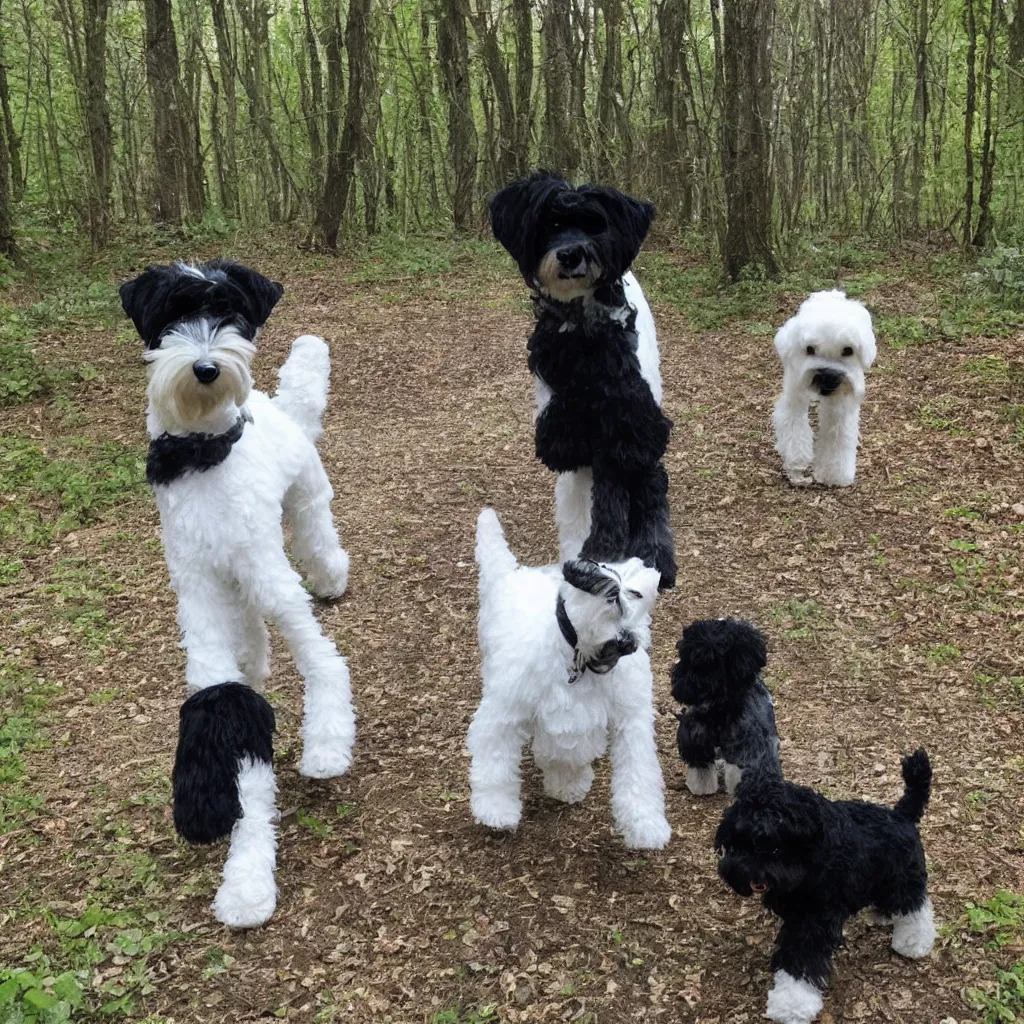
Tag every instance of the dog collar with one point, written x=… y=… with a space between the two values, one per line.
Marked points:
x=171 y=456
x=571 y=637
x=625 y=645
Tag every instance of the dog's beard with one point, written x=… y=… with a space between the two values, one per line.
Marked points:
x=181 y=402
x=551 y=282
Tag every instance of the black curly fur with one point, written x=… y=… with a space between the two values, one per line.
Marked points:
x=218 y=727
x=165 y=295
x=730 y=714
x=601 y=413
x=171 y=455
x=819 y=861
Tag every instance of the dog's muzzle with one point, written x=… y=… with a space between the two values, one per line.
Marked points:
x=206 y=373
x=572 y=262
x=826 y=380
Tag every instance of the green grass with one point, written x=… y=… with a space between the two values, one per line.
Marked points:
x=999 y=923
x=23 y=702
x=797 y=618
x=63 y=978
x=942 y=654
x=487 y=1014
x=64 y=486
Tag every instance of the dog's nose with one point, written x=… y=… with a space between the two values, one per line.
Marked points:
x=826 y=381
x=206 y=373
x=571 y=257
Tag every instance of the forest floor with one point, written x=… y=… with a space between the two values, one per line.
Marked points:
x=894 y=611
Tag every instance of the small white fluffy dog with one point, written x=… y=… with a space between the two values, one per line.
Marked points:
x=565 y=666
x=825 y=350
x=225 y=462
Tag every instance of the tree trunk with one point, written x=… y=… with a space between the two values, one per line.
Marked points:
x=504 y=138
x=609 y=93
x=97 y=115
x=969 y=110
x=746 y=125
x=453 y=59
x=227 y=63
x=983 y=233
x=8 y=245
x=558 y=150
x=523 y=18
x=17 y=182
x=341 y=156
x=172 y=143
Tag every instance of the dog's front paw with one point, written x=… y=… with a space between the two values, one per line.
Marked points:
x=567 y=786
x=702 y=781
x=647 y=834
x=245 y=901
x=799 y=477
x=498 y=812
x=792 y=1000
x=330 y=580
x=325 y=759
x=833 y=478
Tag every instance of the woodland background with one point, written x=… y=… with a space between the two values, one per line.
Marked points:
x=748 y=122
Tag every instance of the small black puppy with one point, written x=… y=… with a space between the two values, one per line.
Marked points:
x=730 y=717
x=818 y=862
x=597 y=410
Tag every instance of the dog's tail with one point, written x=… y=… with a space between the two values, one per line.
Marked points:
x=302 y=393
x=493 y=555
x=917 y=781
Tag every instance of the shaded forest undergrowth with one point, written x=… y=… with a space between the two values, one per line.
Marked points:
x=894 y=612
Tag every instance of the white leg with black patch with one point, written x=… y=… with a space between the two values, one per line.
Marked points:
x=793 y=1000
x=913 y=935
x=248 y=895
x=702 y=781
x=731 y=776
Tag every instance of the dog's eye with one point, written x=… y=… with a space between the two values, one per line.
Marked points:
x=635 y=594
x=810 y=350
x=848 y=351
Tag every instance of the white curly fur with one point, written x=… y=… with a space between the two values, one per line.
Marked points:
x=829 y=323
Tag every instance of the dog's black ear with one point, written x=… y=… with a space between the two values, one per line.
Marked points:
x=262 y=293
x=725 y=834
x=588 y=576
x=629 y=221
x=150 y=301
x=514 y=213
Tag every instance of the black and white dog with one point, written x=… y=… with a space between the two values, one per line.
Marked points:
x=818 y=862
x=730 y=719
x=594 y=357
x=226 y=462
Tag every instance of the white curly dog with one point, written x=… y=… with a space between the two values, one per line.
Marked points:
x=565 y=667
x=226 y=463
x=825 y=350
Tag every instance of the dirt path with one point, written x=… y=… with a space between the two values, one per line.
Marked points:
x=394 y=905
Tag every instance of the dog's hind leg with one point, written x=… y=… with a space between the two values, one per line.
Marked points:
x=835 y=460
x=328 y=720
x=495 y=742
x=307 y=506
x=609 y=538
x=913 y=933
x=794 y=440
x=638 y=790
x=572 y=511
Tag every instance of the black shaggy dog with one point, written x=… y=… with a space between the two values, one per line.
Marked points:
x=730 y=717
x=818 y=862
x=573 y=246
